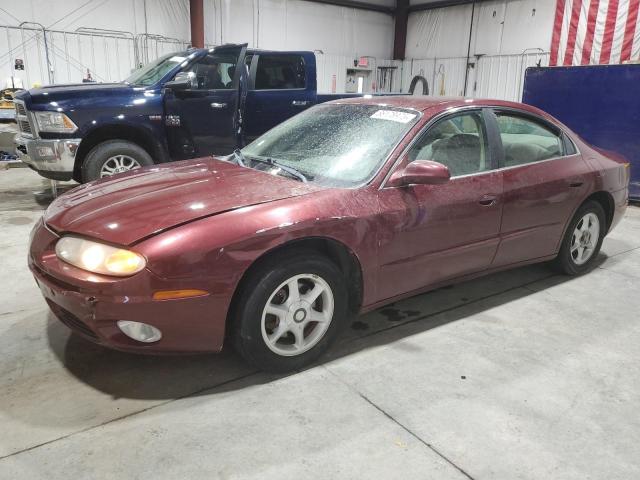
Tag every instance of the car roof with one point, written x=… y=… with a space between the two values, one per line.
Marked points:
x=423 y=103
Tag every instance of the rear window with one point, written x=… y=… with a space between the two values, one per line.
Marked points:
x=280 y=72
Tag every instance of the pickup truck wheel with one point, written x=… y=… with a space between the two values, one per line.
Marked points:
x=112 y=157
x=290 y=311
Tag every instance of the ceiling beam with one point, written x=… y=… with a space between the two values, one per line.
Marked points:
x=357 y=4
x=440 y=4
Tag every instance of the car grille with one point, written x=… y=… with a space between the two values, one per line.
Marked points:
x=70 y=320
x=22 y=117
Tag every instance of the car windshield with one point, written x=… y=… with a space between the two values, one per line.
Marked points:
x=338 y=145
x=154 y=71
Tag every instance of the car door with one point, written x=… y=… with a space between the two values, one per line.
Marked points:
x=545 y=179
x=431 y=233
x=205 y=119
x=281 y=85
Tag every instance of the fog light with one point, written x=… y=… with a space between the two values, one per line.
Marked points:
x=45 y=151
x=139 y=331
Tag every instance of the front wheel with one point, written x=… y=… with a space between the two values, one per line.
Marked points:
x=290 y=311
x=582 y=240
x=112 y=157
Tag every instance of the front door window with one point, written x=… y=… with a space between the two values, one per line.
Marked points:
x=459 y=142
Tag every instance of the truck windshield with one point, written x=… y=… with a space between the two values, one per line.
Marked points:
x=154 y=71
x=335 y=145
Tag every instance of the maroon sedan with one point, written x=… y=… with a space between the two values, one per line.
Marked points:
x=343 y=208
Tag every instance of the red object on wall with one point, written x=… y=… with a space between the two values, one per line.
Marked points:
x=589 y=32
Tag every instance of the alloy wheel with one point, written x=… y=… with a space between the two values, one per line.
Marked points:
x=118 y=164
x=297 y=314
x=585 y=238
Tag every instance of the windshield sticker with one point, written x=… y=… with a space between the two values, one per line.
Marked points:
x=177 y=59
x=394 y=116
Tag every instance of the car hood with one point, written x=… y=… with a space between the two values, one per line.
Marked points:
x=49 y=93
x=144 y=202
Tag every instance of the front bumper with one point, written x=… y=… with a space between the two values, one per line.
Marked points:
x=91 y=304
x=51 y=158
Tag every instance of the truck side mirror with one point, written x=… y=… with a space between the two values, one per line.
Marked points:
x=182 y=81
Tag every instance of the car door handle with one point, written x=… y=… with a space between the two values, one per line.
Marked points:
x=218 y=105
x=488 y=200
x=300 y=103
x=575 y=183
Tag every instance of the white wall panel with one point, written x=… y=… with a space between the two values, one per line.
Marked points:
x=341 y=33
x=500 y=27
x=502 y=76
x=71 y=54
x=442 y=32
x=444 y=75
x=296 y=24
x=414 y=67
x=448 y=78
x=508 y=36
x=330 y=65
x=528 y=24
x=488 y=28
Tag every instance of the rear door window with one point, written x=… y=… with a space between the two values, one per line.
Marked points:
x=527 y=141
x=280 y=72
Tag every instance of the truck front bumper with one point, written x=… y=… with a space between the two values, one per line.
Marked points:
x=51 y=158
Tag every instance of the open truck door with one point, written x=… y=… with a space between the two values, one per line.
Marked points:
x=203 y=104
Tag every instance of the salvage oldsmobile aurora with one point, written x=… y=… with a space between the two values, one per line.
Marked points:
x=343 y=208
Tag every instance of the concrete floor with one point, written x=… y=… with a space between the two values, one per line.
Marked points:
x=523 y=374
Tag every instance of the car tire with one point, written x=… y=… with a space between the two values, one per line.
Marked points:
x=113 y=156
x=579 y=250
x=293 y=325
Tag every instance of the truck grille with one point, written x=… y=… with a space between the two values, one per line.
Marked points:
x=23 y=118
x=20 y=110
x=24 y=126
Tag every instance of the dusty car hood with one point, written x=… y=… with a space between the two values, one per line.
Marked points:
x=144 y=202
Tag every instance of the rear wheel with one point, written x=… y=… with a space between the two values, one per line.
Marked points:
x=290 y=311
x=583 y=239
x=112 y=157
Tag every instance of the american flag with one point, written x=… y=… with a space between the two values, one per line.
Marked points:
x=591 y=32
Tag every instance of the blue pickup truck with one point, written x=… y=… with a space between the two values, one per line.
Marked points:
x=183 y=105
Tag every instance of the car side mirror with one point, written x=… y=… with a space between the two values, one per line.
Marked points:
x=420 y=172
x=182 y=81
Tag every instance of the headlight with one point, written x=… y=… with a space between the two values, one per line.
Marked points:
x=99 y=258
x=55 y=122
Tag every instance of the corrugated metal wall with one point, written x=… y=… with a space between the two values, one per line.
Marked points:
x=342 y=33
x=490 y=76
x=108 y=57
x=502 y=76
x=329 y=66
x=437 y=40
x=506 y=37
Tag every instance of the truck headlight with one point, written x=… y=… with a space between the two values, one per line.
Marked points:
x=55 y=122
x=99 y=258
